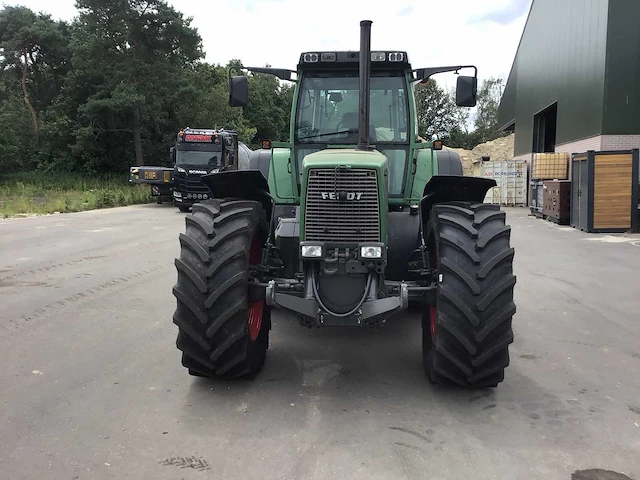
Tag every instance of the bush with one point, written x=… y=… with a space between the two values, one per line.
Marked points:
x=42 y=193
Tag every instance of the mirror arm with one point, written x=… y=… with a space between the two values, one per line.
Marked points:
x=281 y=73
x=423 y=74
x=229 y=76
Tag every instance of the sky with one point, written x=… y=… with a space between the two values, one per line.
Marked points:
x=484 y=33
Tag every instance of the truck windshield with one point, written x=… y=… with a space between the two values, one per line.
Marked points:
x=190 y=157
x=327 y=110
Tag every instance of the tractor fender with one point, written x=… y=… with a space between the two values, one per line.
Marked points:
x=449 y=162
x=245 y=184
x=244 y=156
x=403 y=239
x=261 y=160
x=453 y=188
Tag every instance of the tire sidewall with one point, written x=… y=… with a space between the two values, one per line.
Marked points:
x=432 y=241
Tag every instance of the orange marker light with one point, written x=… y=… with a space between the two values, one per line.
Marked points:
x=266 y=144
x=437 y=144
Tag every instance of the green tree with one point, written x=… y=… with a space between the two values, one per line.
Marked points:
x=486 y=121
x=134 y=54
x=35 y=49
x=461 y=135
x=209 y=106
x=434 y=109
x=269 y=107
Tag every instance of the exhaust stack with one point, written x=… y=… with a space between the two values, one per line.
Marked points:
x=365 y=85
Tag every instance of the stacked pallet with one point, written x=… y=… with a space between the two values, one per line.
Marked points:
x=549 y=167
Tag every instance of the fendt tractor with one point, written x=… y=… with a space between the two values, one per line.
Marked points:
x=196 y=152
x=347 y=223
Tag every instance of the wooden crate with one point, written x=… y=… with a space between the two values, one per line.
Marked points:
x=604 y=191
x=557 y=201
x=550 y=166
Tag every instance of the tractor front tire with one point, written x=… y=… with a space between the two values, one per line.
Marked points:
x=222 y=331
x=467 y=332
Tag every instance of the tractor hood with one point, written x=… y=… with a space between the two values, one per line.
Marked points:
x=348 y=157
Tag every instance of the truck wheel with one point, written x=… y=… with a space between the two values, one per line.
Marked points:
x=467 y=332
x=222 y=332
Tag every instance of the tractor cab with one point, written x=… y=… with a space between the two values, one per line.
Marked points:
x=327 y=103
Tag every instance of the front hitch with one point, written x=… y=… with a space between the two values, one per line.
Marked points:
x=368 y=312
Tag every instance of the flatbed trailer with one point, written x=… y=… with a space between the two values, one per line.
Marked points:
x=160 y=179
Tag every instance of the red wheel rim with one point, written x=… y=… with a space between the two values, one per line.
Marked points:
x=257 y=308
x=433 y=309
x=255 y=319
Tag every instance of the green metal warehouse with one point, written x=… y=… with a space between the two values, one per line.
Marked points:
x=575 y=81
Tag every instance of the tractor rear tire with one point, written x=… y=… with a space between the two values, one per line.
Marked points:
x=222 y=332
x=467 y=332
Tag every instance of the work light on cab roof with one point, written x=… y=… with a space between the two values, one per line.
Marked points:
x=353 y=56
x=202 y=135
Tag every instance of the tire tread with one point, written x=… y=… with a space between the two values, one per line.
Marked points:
x=475 y=296
x=212 y=290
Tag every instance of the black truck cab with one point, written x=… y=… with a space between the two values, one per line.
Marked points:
x=199 y=152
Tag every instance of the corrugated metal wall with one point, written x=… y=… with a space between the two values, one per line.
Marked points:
x=622 y=86
x=561 y=59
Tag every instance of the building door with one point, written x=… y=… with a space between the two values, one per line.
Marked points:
x=579 y=191
x=544 y=130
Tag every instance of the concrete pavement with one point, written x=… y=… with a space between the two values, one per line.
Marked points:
x=92 y=386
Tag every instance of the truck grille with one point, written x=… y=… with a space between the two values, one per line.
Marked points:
x=192 y=185
x=329 y=219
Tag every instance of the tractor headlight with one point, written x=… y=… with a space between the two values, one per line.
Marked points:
x=370 y=252
x=311 y=251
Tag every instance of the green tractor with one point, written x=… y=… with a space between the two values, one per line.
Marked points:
x=346 y=224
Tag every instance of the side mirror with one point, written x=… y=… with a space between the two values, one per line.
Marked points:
x=172 y=155
x=335 y=97
x=466 y=91
x=238 y=91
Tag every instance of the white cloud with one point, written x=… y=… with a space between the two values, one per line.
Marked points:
x=277 y=31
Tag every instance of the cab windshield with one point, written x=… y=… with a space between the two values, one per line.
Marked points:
x=327 y=110
x=327 y=113
x=197 y=157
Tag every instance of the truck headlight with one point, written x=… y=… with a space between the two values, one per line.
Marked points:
x=371 y=252
x=177 y=194
x=181 y=170
x=312 y=251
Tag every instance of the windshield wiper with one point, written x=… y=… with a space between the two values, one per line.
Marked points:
x=351 y=130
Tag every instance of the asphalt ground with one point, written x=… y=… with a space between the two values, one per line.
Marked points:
x=91 y=384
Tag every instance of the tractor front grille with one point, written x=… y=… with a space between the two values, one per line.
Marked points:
x=342 y=205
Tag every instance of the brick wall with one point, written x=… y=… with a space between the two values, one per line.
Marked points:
x=620 y=142
x=581 y=146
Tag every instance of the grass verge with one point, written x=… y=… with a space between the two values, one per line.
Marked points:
x=42 y=193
